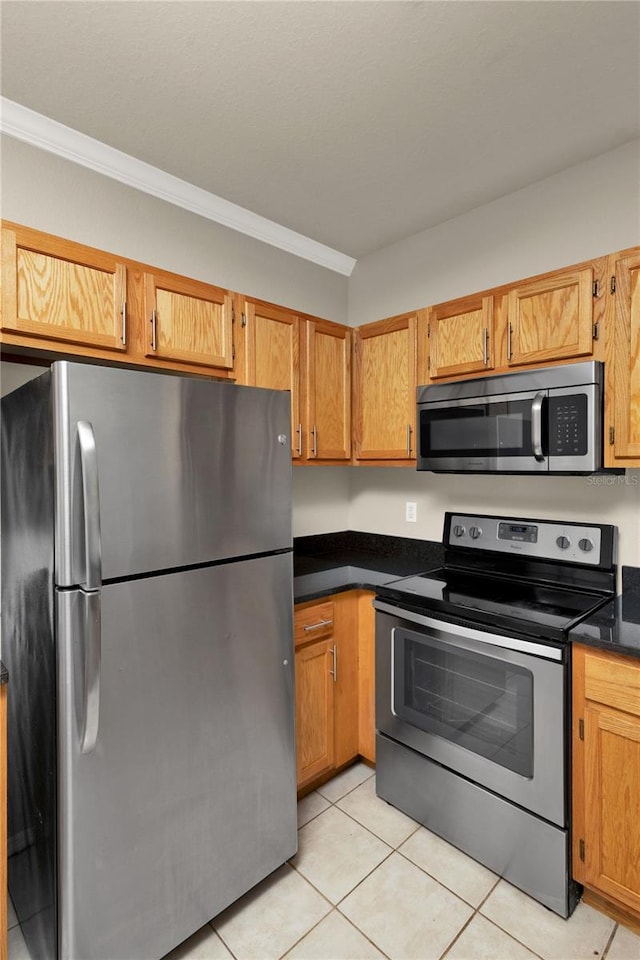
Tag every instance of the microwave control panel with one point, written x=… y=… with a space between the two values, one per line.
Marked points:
x=568 y=425
x=542 y=539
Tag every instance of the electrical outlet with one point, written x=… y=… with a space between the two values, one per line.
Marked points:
x=410 y=511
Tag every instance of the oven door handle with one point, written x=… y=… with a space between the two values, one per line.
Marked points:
x=468 y=633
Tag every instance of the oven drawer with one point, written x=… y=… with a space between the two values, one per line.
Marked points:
x=492 y=714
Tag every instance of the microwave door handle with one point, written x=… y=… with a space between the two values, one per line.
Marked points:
x=536 y=426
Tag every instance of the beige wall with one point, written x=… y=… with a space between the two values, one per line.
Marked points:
x=13 y=375
x=320 y=499
x=582 y=212
x=377 y=498
x=46 y=192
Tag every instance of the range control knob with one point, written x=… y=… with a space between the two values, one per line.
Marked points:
x=458 y=531
x=475 y=532
x=563 y=542
x=586 y=544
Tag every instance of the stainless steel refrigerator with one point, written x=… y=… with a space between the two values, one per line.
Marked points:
x=147 y=629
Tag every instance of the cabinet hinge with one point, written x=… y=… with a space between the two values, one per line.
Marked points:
x=428 y=330
x=612 y=285
x=596 y=288
x=581 y=728
x=233 y=352
x=243 y=320
x=233 y=313
x=581 y=849
x=596 y=331
x=612 y=435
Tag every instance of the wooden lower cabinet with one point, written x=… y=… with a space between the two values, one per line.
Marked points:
x=315 y=697
x=366 y=676
x=334 y=686
x=606 y=777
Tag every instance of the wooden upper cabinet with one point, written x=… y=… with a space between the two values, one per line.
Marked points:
x=327 y=390
x=271 y=356
x=461 y=337
x=187 y=320
x=62 y=291
x=623 y=363
x=384 y=392
x=551 y=318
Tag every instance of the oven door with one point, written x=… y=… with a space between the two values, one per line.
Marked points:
x=484 y=434
x=488 y=707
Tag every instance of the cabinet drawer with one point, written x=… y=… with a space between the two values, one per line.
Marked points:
x=613 y=680
x=311 y=623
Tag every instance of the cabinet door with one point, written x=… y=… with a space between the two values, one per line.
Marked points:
x=612 y=824
x=328 y=391
x=626 y=362
x=366 y=677
x=385 y=389
x=606 y=775
x=273 y=357
x=314 y=710
x=346 y=676
x=61 y=291
x=551 y=318
x=461 y=337
x=187 y=321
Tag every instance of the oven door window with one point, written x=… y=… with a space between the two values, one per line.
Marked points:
x=486 y=428
x=480 y=703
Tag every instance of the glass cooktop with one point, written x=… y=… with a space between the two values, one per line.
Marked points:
x=527 y=607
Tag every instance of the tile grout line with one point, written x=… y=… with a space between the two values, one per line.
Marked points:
x=336 y=906
x=605 y=952
x=476 y=910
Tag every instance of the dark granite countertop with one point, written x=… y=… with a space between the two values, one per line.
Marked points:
x=4 y=676
x=616 y=626
x=350 y=560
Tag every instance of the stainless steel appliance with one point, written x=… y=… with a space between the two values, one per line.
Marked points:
x=538 y=421
x=473 y=691
x=147 y=627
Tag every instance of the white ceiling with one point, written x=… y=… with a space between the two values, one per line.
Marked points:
x=353 y=123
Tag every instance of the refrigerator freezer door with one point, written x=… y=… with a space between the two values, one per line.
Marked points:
x=189 y=797
x=189 y=471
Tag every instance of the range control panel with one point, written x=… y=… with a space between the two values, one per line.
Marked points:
x=542 y=539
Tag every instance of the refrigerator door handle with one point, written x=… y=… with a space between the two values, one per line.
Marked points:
x=92 y=644
x=91 y=506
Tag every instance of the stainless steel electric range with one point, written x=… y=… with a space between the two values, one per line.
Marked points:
x=473 y=691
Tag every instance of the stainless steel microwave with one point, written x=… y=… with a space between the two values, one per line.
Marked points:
x=548 y=420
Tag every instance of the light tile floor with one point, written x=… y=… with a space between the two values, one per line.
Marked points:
x=369 y=883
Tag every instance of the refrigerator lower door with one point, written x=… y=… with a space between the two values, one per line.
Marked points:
x=188 y=798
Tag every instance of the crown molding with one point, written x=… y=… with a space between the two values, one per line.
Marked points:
x=47 y=134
